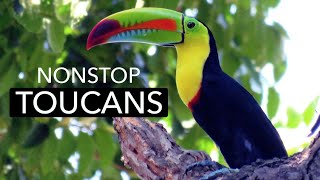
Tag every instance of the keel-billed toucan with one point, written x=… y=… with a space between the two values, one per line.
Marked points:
x=221 y=106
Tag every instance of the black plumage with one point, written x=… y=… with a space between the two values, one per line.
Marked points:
x=232 y=118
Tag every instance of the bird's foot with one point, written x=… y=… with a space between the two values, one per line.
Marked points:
x=214 y=169
x=219 y=172
x=202 y=164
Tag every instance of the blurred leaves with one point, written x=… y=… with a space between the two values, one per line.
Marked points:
x=56 y=36
x=309 y=112
x=30 y=20
x=37 y=135
x=273 y=102
x=50 y=152
x=105 y=146
x=10 y=77
x=294 y=118
x=67 y=145
x=86 y=151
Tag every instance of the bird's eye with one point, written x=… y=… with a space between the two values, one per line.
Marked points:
x=191 y=25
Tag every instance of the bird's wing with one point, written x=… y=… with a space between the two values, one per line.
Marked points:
x=236 y=122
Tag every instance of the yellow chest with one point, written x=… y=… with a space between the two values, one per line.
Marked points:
x=192 y=55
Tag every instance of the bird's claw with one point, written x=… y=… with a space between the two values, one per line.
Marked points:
x=214 y=174
x=204 y=163
x=212 y=165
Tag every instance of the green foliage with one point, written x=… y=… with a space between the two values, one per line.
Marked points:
x=273 y=102
x=309 y=112
x=53 y=33
x=85 y=147
x=37 y=135
x=56 y=36
x=294 y=118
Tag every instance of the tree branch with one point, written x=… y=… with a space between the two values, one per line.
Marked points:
x=152 y=153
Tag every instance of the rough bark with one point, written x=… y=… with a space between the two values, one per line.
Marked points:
x=153 y=154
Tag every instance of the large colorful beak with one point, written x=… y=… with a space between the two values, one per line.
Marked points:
x=145 y=25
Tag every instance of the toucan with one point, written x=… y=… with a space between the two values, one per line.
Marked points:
x=226 y=111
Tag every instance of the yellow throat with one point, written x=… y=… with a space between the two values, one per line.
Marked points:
x=192 y=55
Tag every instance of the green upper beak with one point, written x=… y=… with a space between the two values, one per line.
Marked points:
x=145 y=25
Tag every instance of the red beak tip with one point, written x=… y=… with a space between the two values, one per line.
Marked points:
x=89 y=44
